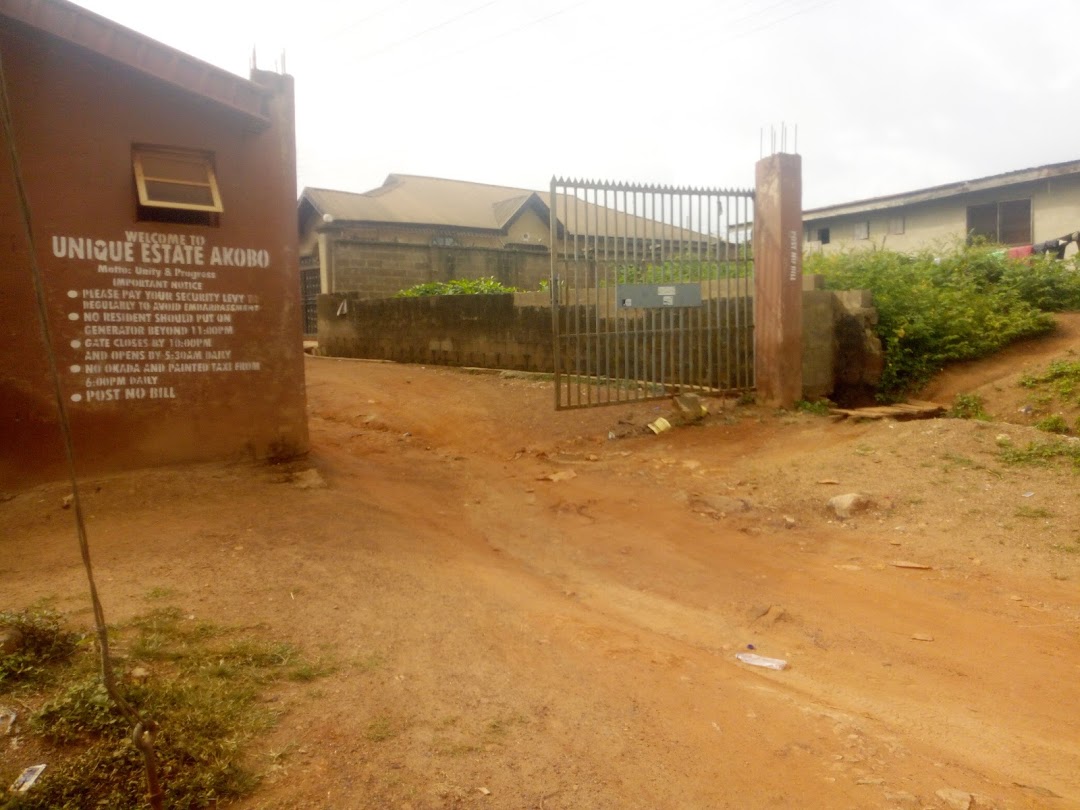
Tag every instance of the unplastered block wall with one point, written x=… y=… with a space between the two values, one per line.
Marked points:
x=381 y=269
x=488 y=331
x=515 y=332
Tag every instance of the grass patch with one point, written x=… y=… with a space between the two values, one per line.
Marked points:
x=43 y=644
x=1053 y=424
x=381 y=729
x=200 y=682
x=1043 y=453
x=953 y=460
x=1061 y=378
x=968 y=406
x=819 y=408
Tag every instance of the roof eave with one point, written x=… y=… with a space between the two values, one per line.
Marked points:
x=117 y=43
x=945 y=191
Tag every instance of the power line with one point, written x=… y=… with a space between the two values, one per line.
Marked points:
x=495 y=38
x=352 y=26
x=427 y=31
x=785 y=19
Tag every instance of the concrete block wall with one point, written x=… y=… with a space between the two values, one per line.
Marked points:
x=819 y=344
x=382 y=269
x=456 y=330
x=841 y=352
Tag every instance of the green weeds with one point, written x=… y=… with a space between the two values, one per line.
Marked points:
x=968 y=406
x=937 y=309
x=1043 y=453
x=1053 y=424
x=683 y=270
x=458 y=286
x=41 y=645
x=202 y=683
x=1062 y=377
x=819 y=408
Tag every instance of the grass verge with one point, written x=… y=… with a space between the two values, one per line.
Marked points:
x=202 y=683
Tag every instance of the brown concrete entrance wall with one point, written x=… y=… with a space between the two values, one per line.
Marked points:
x=175 y=342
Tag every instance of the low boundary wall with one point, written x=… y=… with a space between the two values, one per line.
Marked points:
x=841 y=353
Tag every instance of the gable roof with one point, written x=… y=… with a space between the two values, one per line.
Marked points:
x=991 y=182
x=92 y=32
x=406 y=199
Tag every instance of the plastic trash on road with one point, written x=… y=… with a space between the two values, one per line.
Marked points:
x=755 y=660
x=659 y=425
x=27 y=778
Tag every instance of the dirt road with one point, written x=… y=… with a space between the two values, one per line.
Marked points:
x=525 y=613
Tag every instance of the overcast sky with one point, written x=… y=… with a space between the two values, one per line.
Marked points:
x=888 y=95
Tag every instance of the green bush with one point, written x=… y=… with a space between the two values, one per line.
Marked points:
x=819 y=408
x=968 y=406
x=458 y=286
x=682 y=270
x=43 y=643
x=1053 y=424
x=963 y=304
x=1044 y=282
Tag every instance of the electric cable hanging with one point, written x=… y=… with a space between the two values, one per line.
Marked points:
x=143 y=729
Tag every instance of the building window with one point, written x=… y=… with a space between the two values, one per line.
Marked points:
x=896 y=226
x=823 y=235
x=1014 y=222
x=862 y=230
x=176 y=185
x=1006 y=223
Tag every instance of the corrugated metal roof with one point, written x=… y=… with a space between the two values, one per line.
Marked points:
x=88 y=30
x=406 y=199
x=944 y=191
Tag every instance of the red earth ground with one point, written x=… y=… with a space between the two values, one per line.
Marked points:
x=521 y=612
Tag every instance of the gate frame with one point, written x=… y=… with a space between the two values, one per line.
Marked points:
x=647 y=227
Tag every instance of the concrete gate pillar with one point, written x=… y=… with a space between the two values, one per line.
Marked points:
x=778 y=341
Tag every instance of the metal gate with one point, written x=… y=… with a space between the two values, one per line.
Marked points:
x=310 y=287
x=652 y=292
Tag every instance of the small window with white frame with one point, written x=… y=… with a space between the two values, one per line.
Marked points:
x=896 y=225
x=176 y=185
x=862 y=229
